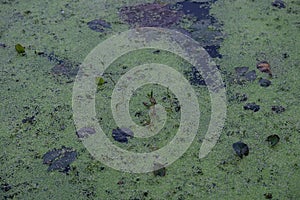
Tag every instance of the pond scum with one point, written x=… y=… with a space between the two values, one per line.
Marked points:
x=42 y=45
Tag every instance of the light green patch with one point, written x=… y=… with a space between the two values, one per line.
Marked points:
x=254 y=31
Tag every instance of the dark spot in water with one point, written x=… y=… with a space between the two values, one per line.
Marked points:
x=252 y=106
x=240 y=71
x=122 y=134
x=278 y=4
x=150 y=15
x=59 y=159
x=268 y=195
x=195 y=77
x=241 y=149
x=278 y=109
x=85 y=132
x=98 y=25
x=273 y=139
x=251 y=75
x=29 y=120
x=212 y=50
x=5 y=187
x=65 y=68
x=159 y=170
x=264 y=82
x=198 y=9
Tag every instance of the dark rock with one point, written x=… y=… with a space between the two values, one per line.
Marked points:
x=252 y=106
x=122 y=134
x=50 y=156
x=241 y=149
x=273 y=139
x=85 y=132
x=278 y=109
x=278 y=4
x=98 y=25
x=264 y=82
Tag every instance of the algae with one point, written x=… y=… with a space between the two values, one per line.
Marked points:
x=254 y=31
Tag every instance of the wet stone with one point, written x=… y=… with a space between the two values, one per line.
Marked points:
x=241 y=149
x=252 y=106
x=59 y=159
x=122 y=134
x=278 y=109
x=273 y=139
x=264 y=82
x=98 y=25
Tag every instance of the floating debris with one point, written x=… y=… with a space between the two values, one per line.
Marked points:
x=122 y=134
x=241 y=149
x=59 y=159
x=85 y=132
x=265 y=67
x=252 y=106
x=150 y=15
x=20 y=49
x=264 y=82
x=273 y=139
x=278 y=109
x=98 y=25
x=278 y=4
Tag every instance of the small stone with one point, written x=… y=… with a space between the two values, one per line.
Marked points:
x=273 y=139
x=241 y=149
x=252 y=106
x=264 y=82
x=278 y=109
